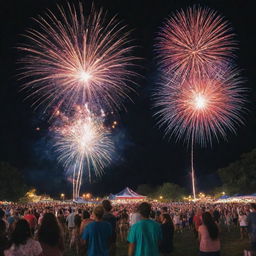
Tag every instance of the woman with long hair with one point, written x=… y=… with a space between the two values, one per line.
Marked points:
x=209 y=236
x=50 y=236
x=166 y=244
x=123 y=225
x=62 y=221
x=21 y=242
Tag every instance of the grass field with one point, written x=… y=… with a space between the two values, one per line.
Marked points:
x=186 y=245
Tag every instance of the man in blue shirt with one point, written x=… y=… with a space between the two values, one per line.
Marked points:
x=97 y=234
x=145 y=235
x=111 y=219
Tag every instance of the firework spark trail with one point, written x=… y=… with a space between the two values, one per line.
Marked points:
x=206 y=107
x=75 y=59
x=192 y=40
x=83 y=145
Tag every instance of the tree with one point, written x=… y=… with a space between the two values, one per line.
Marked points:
x=12 y=185
x=170 y=191
x=217 y=192
x=145 y=190
x=240 y=176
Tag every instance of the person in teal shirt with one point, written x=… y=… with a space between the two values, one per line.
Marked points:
x=145 y=235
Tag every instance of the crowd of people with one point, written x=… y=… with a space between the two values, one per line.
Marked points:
x=51 y=229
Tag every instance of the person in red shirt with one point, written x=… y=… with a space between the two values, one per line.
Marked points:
x=31 y=219
x=197 y=220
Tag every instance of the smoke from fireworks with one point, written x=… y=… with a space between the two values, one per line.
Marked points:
x=192 y=40
x=73 y=59
x=84 y=145
x=201 y=109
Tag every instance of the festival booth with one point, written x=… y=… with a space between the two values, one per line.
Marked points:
x=237 y=198
x=127 y=195
x=247 y=198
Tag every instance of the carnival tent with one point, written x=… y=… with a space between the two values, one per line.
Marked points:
x=127 y=194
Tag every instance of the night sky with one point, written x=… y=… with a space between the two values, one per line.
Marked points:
x=143 y=154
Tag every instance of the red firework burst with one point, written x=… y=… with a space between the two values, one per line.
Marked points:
x=192 y=41
x=202 y=108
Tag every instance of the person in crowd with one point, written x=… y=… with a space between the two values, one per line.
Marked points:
x=190 y=220
x=123 y=225
x=86 y=219
x=157 y=216
x=31 y=219
x=197 y=221
x=228 y=220
x=2 y=214
x=252 y=227
x=235 y=218
x=3 y=237
x=61 y=218
x=134 y=216
x=75 y=237
x=111 y=219
x=216 y=216
x=40 y=219
x=145 y=235
x=184 y=221
x=164 y=210
x=167 y=227
x=11 y=220
x=208 y=234
x=152 y=215
x=243 y=225
x=50 y=236
x=21 y=242
x=71 y=221
x=62 y=222
x=97 y=234
x=3 y=217
x=177 y=222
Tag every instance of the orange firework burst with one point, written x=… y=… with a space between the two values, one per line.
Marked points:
x=202 y=108
x=192 y=41
x=72 y=58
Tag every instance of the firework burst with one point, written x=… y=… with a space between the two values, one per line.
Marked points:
x=202 y=109
x=192 y=41
x=72 y=58
x=84 y=145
